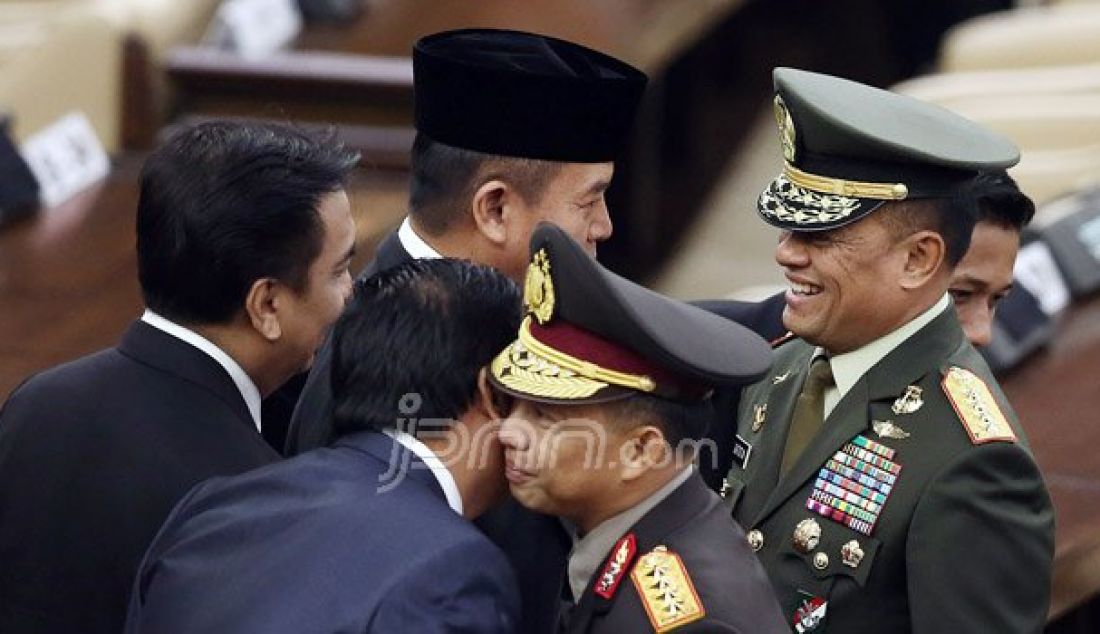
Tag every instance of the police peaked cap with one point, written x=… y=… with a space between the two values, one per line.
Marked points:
x=592 y=336
x=523 y=95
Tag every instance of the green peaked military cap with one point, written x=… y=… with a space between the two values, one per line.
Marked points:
x=592 y=336
x=850 y=148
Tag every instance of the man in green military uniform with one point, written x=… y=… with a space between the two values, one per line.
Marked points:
x=611 y=386
x=884 y=480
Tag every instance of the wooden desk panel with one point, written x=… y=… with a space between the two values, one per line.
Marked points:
x=647 y=33
x=1057 y=396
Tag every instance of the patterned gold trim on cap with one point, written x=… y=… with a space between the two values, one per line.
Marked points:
x=538 y=288
x=516 y=368
x=584 y=368
x=841 y=187
x=531 y=367
x=788 y=203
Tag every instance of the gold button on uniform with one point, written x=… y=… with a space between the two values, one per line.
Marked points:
x=756 y=540
x=821 y=561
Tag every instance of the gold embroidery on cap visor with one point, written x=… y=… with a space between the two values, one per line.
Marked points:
x=790 y=204
x=528 y=366
x=803 y=199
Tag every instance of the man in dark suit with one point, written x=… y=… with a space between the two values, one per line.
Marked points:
x=370 y=534
x=611 y=386
x=244 y=237
x=883 y=477
x=512 y=129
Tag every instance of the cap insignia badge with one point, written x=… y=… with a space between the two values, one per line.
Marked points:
x=909 y=402
x=538 y=288
x=786 y=128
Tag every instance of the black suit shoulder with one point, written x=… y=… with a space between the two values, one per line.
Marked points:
x=93 y=455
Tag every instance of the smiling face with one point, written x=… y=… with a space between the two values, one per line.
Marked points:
x=983 y=278
x=844 y=289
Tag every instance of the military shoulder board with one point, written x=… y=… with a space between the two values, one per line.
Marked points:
x=979 y=412
x=666 y=590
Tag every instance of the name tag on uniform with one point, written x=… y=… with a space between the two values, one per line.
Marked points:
x=741 y=451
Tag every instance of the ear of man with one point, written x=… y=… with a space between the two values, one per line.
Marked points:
x=925 y=259
x=644 y=450
x=262 y=305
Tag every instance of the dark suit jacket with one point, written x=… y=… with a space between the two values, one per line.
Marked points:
x=964 y=539
x=330 y=541
x=731 y=587
x=93 y=455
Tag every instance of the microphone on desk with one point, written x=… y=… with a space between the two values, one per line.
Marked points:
x=18 y=187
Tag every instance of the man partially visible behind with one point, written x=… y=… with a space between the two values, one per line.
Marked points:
x=244 y=237
x=367 y=535
x=984 y=276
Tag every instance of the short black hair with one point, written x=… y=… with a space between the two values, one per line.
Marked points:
x=444 y=179
x=223 y=204
x=952 y=218
x=677 y=420
x=997 y=199
x=413 y=340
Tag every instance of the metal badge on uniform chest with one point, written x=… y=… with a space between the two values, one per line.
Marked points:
x=855 y=483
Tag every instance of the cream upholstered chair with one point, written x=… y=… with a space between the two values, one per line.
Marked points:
x=1037 y=36
x=68 y=55
x=947 y=89
x=71 y=61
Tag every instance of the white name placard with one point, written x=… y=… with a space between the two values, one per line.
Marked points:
x=255 y=28
x=66 y=157
x=1039 y=274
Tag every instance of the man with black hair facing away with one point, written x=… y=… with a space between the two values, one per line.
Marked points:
x=884 y=480
x=370 y=534
x=611 y=386
x=244 y=238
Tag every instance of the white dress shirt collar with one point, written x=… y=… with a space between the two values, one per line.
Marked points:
x=439 y=470
x=414 y=244
x=240 y=378
x=850 y=366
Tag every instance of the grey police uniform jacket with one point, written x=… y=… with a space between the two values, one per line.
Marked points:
x=932 y=517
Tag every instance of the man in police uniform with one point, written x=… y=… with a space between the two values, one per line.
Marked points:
x=883 y=478
x=611 y=385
